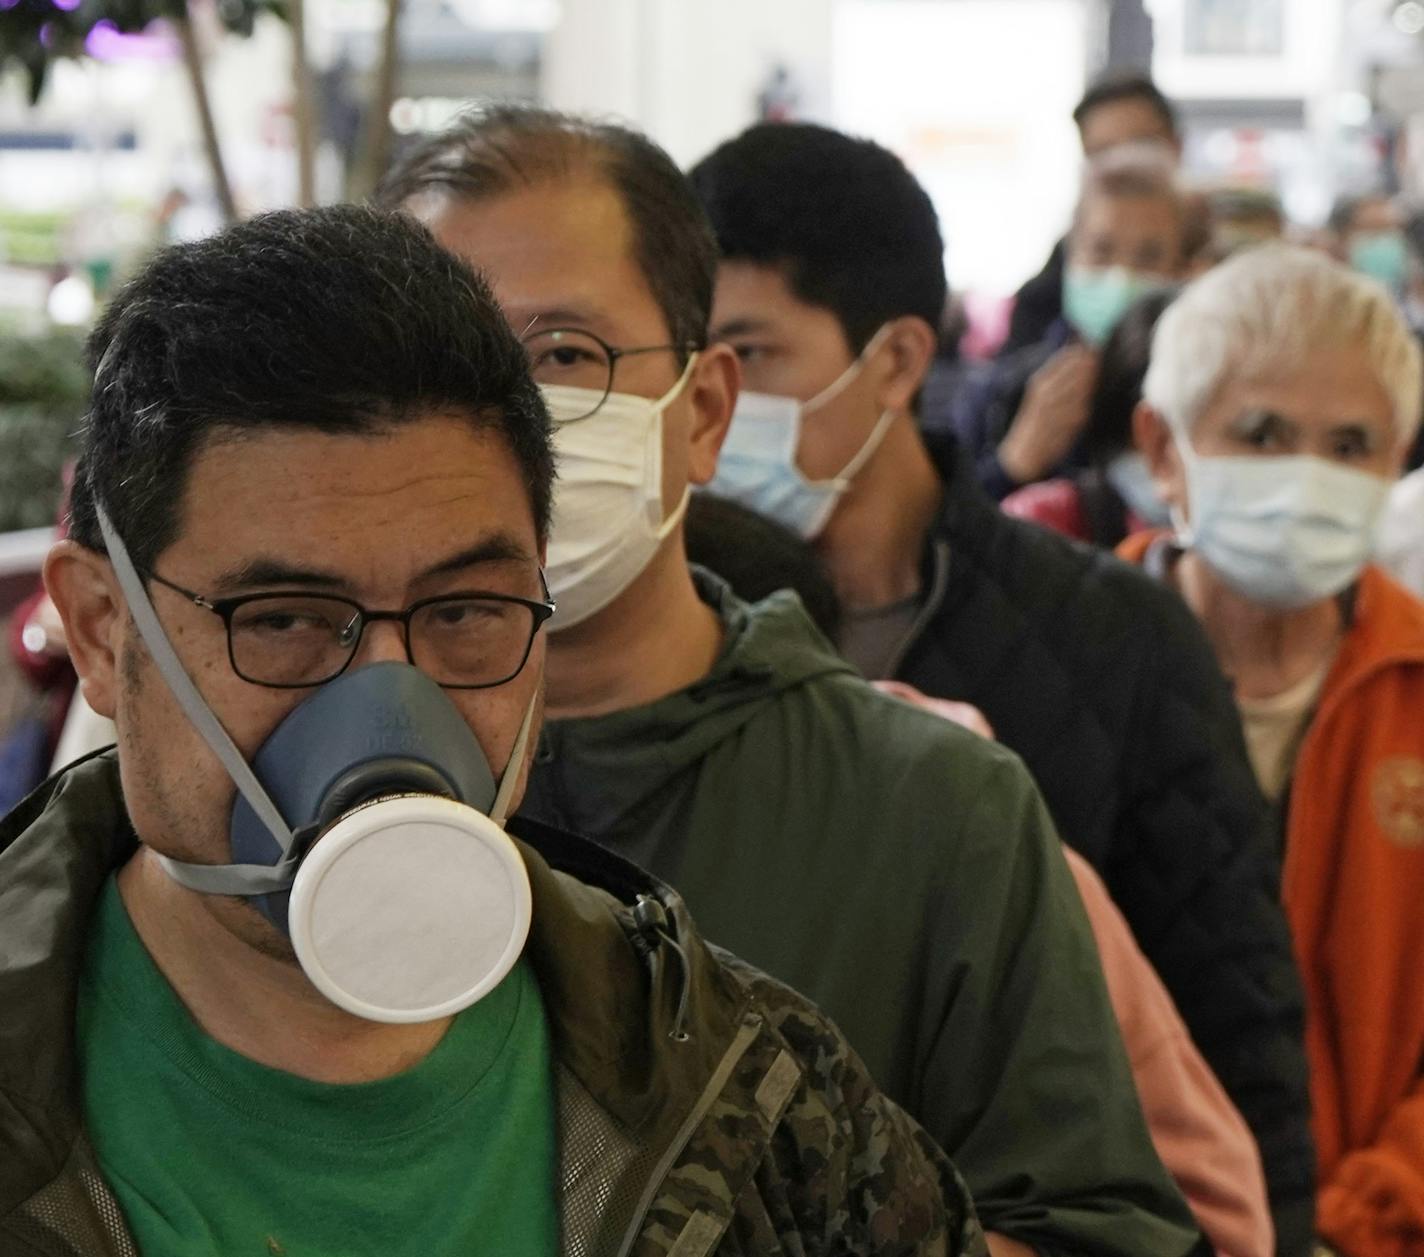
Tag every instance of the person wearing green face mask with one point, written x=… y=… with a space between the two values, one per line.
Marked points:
x=1368 y=236
x=1025 y=420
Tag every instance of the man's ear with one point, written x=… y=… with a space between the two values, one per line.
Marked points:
x=83 y=588
x=1153 y=436
x=907 y=351
x=716 y=380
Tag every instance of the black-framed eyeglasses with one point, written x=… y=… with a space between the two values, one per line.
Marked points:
x=578 y=359
x=295 y=640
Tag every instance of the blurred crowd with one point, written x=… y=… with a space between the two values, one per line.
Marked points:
x=1051 y=719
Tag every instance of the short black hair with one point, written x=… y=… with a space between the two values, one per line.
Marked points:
x=1119 y=85
x=342 y=320
x=1346 y=208
x=1122 y=368
x=842 y=218
x=757 y=556
x=496 y=149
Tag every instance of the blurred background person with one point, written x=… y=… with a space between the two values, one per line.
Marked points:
x=1120 y=107
x=1114 y=495
x=1242 y=218
x=1283 y=393
x=1367 y=234
x=1023 y=418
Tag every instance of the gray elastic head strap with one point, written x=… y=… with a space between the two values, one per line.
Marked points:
x=213 y=879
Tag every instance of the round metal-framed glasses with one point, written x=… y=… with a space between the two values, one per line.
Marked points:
x=576 y=358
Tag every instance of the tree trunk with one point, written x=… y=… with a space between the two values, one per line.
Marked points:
x=193 y=63
x=375 y=151
x=303 y=106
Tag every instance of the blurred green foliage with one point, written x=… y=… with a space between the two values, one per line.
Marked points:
x=34 y=32
x=44 y=390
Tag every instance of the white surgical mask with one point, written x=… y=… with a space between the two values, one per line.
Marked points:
x=608 y=500
x=757 y=466
x=1284 y=532
x=1128 y=475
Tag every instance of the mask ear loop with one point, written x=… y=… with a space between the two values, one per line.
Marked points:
x=837 y=386
x=667 y=523
x=254 y=879
x=499 y=809
x=1185 y=535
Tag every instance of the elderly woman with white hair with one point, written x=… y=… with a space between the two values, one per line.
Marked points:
x=1278 y=408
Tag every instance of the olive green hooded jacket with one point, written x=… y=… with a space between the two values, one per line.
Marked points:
x=904 y=874
x=702 y=1108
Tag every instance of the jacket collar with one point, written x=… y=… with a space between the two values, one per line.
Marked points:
x=613 y=976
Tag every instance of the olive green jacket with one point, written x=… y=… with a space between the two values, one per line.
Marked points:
x=702 y=1108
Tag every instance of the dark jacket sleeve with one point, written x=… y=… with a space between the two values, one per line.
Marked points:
x=1194 y=868
x=1043 y=1114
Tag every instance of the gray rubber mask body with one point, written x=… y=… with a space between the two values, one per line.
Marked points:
x=381 y=730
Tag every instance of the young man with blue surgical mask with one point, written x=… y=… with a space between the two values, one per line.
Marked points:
x=899 y=870
x=1103 y=685
x=274 y=978
x=1023 y=418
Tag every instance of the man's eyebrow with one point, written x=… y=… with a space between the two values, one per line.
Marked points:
x=566 y=316
x=500 y=547
x=747 y=326
x=266 y=571
x=269 y=573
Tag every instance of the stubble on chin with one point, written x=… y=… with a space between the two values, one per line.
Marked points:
x=177 y=820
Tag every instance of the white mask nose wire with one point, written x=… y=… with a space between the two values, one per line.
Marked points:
x=186 y=693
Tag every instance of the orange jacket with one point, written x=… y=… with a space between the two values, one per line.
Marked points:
x=1353 y=887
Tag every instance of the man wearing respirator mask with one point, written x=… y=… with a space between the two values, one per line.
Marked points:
x=273 y=973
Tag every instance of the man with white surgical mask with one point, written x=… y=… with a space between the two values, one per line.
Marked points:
x=1283 y=393
x=273 y=977
x=1099 y=679
x=899 y=870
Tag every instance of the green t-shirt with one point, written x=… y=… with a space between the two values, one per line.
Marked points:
x=210 y=1153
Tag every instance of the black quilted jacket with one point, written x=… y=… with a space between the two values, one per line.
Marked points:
x=1103 y=682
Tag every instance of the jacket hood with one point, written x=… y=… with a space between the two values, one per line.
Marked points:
x=768 y=648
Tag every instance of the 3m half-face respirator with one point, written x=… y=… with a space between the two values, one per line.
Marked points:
x=370 y=829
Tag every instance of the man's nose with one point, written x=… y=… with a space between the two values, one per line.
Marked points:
x=382 y=641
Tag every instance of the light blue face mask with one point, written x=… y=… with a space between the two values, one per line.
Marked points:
x=757 y=466
x=1128 y=475
x=1382 y=255
x=1283 y=532
x=1096 y=298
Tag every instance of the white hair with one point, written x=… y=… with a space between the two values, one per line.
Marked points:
x=1267 y=310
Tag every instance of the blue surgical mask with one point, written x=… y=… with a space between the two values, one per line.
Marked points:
x=1382 y=255
x=1129 y=476
x=1283 y=532
x=1096 y=298
x=757 y=466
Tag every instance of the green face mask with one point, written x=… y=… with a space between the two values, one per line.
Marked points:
x=1096 y=298
x=1381 y=255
